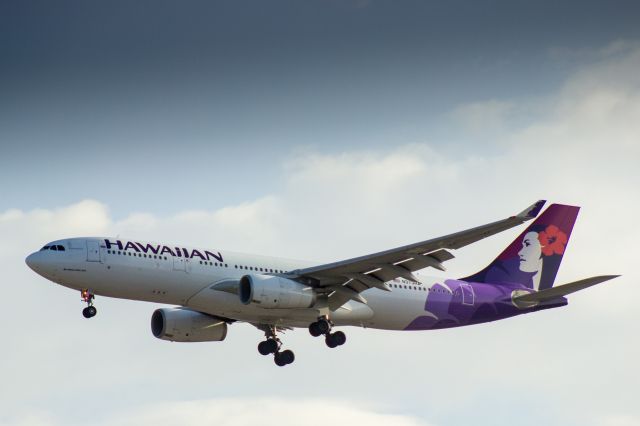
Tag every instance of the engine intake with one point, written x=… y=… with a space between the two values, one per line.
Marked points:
x=185 y=325
x=269 y=292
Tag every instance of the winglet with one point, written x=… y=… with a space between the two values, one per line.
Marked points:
x=532 y=211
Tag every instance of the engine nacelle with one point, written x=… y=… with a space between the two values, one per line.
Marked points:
x=271 y=292
x=185 y=325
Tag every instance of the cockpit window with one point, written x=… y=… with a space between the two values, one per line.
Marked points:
x=53 y=247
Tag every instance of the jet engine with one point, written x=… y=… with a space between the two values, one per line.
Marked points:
x=271 y=292
x=185 y=325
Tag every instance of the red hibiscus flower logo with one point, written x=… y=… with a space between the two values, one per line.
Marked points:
x=552 y=240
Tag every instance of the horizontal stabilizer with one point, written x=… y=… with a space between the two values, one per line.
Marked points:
x=532 y=299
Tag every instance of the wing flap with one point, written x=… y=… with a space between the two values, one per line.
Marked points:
x=433 y=260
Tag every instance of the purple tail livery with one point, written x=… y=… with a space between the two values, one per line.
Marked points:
x=533 y=259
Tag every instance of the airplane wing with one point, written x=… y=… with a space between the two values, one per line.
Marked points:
x=346 y=279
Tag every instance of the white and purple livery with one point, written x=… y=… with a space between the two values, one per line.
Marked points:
x=215 y=288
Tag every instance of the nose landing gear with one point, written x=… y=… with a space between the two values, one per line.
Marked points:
x=90 y=311
x=272 y=345
x=323 y=326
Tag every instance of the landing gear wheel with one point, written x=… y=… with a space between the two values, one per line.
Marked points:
x=263 y=348
x=288 y=356
x=314 y=329
x=335 y=339
x=283 y=358
x=269 y=346
x=279 y=359
x=340 y=338
x=272 y=345
x=323 y=326
x=89 y=312
x=330 y=341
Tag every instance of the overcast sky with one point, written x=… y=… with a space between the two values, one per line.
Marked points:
x=319 y=130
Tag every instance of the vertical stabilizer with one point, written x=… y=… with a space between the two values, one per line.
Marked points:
x=534 y=257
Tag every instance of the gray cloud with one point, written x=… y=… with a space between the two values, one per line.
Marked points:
x=114 y=93
x=574 y=365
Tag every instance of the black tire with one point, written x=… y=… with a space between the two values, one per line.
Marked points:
x=330 y=341
x=287 y=356
x=271 y=345
x=92 y=311
x=85 y=313
x=263 y=348
x=279 y=359
x=323 y=326
x=314 y=330
x=340 y=338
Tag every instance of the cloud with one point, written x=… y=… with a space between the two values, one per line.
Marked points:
x=489 y=116
x=87 y=217
x=265 y=411
x=581 y=149
x=620 y=420
x=29 y=419
x=239 y=412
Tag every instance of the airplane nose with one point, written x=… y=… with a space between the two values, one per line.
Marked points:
x=32 y=261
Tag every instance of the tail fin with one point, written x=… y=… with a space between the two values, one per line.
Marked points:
x=534 y=257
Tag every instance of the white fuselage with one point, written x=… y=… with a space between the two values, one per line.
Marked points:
x=184 y=276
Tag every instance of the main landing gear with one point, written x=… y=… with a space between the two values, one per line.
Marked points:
x=323 y=326
x=90 y=311
x=272 y=345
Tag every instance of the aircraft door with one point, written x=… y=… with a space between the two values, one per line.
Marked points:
x=93 y=251
x=468 y=296
x=179 y=264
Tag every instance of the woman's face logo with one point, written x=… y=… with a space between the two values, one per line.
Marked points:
x=530 y=253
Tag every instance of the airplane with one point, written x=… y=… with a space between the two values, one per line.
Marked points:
x=213 y=289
